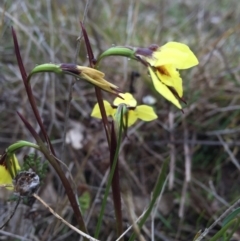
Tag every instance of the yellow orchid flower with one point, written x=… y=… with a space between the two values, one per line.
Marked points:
x=5 y=173
x=142 y=112
x=163 y=64
x=91 y=75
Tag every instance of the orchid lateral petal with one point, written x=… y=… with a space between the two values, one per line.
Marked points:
x=8 y=170
x=145 y=113
x=96 y=110
x=127 y=99
x=5 y=177
x=170 y=77
x=163 y=89
x=132 y=118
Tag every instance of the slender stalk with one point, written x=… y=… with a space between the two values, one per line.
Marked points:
x=97 y=90
x=49 y=155
x=29 y=91
x=114 y=164
x=113 y=145
x=103 y=114
x=64 y=180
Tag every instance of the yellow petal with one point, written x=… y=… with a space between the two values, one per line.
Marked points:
x=174 y=53
x=93 y=73
x=5 y=177
x=127 y=99
x=101 y=83
x=93 y=76
x=163 y=89
x=132 y=118
x=96 y=110
x=145 y=113
x=171 y=77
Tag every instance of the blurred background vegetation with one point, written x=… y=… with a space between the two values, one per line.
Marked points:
x=202 y=144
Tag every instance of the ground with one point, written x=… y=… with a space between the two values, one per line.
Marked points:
x=201 y=144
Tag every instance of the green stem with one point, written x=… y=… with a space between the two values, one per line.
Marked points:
x=55 y=68
x=128 y=52
x=14 y=147
x=103 y=113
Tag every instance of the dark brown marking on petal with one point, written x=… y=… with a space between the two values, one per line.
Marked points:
x=3 y=158
x=128 y=107
x=162 y=70
x=117 y=92
x=176 y=94
x=132 y=107
x=72 y=68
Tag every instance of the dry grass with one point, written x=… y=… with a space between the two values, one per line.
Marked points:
x=202 y=144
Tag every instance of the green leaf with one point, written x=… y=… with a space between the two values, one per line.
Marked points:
x=226 y=228
x=157 y=190
x=231 y=216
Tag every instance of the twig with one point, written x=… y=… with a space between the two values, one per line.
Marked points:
x=154 y=211
x=206 y=231
x=64 y=221
x=182 y=207
x=127 y=195
x=15 y=208
x=226 y=148
x=131 y=226
x=139 y=218
x=16 y=237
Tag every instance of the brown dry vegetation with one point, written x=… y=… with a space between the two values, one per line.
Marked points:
x=202 y=144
